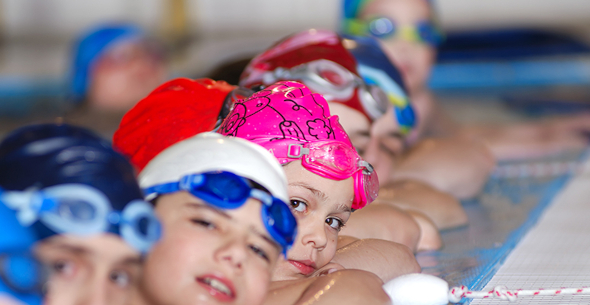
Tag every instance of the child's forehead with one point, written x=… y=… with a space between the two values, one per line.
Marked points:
x=403 y=11
x=106 y=247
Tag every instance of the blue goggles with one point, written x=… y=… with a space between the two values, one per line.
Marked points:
x=384 y=28
x=82 y=209
x=405 y=115
x=227 y=190
x=23 y=276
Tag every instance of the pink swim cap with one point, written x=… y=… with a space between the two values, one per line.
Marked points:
x=292 y=123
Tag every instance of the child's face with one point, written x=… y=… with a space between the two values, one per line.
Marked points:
x=414 y=59
x=322 y=206
x=208 y=255
x=100 y=269
x=124 y=75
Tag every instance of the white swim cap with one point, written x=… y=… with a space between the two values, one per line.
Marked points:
x=212 y=152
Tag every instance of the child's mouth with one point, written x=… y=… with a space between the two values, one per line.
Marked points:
x=305 y=267
x=220 y=289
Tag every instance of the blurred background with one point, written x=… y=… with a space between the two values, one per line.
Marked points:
x=36 y=39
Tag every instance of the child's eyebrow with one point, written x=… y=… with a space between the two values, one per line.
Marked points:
x=342 y=207
x=131 y=261
x=319 y=194
x=78 y=250
x=395 y=134
x=363 y=133
x=206 y=206
x=223 y=214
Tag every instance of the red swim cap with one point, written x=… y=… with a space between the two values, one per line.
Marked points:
x=177 y=110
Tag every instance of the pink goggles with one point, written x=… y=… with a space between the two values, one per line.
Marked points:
x=335 y=160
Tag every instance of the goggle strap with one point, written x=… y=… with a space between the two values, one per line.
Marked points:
x=165 y=188
x=261 y=195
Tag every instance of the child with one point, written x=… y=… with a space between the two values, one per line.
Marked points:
x=225 y=221
x=409 y=35
x=65 y=180
x=327 y=178
x=21 y=275
x=113 y=67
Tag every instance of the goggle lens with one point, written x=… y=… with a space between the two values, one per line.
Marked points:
x=225 y=190
x=371 y=184
x=334 y=157
x=229 y=190
x=335 y=160
x=76 y=210
x=406 y=117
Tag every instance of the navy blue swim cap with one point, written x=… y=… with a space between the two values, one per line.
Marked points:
x=377 y=69
x=90 y=47
x=41 y=156
x=20 y=275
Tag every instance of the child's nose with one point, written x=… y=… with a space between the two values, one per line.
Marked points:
x=314 y=233
x=233 y=252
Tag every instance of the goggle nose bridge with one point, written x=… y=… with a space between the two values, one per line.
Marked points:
x=297 y=151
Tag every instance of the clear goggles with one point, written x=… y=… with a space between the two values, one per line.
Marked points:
x=335 y=160
x=334 y=82
x=227 y=190
x=82 y=209
x=422 y=32
x=22 y=273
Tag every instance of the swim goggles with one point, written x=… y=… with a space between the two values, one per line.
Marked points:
x=404 y=113
x=82 y=209
x=384 y=28
x=334 y=82
x=227 y=190
x=22 y=273
x=336 y=160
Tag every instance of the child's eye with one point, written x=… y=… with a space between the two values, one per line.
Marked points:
x=63 y=267
x=335 y=223
x=298 y=205
x=120 y=278
x=259 y=252
x=203 y=223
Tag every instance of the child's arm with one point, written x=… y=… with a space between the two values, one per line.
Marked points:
x=443 y=209
x=382 y=221
x=458 y=166
x=384 y=258
x=341 y=287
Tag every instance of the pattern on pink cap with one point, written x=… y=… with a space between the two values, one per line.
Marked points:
x=286 y=111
